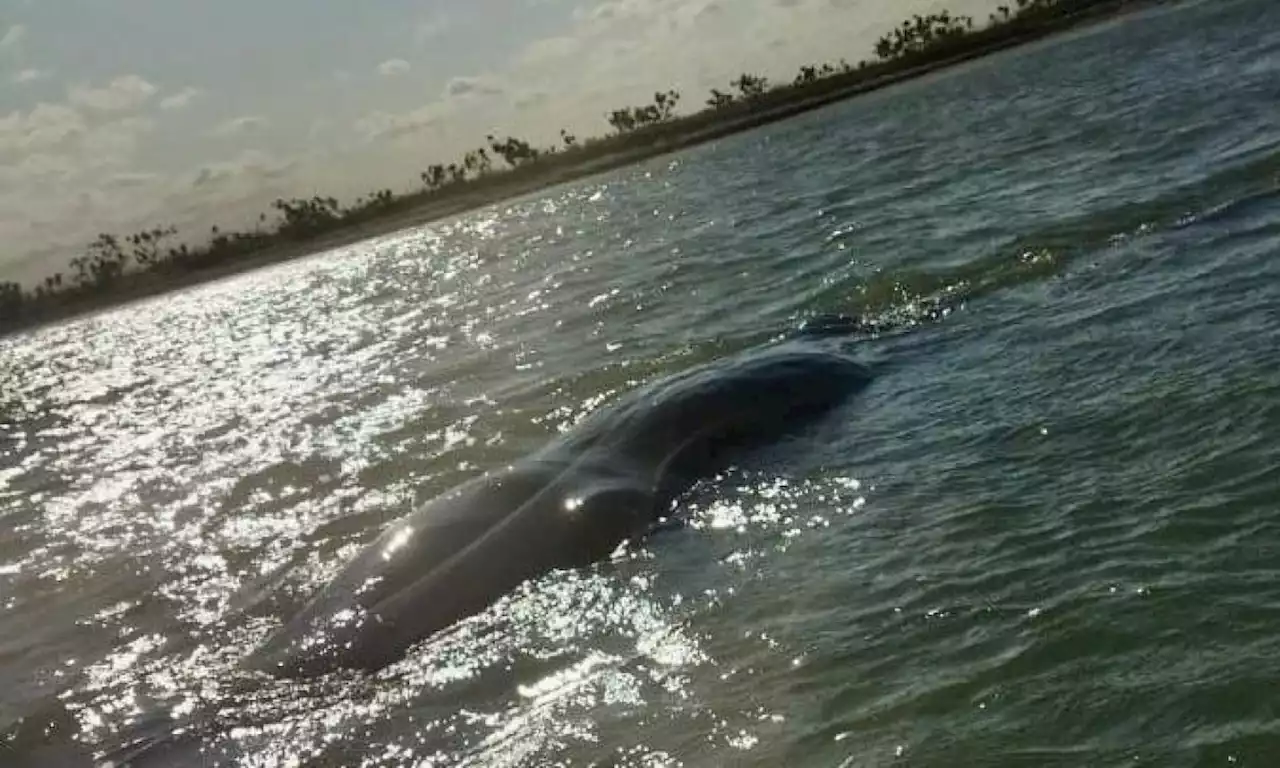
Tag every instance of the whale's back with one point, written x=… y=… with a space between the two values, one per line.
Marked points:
x=567 y=505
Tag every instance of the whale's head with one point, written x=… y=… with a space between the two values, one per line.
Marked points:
x=694 y=424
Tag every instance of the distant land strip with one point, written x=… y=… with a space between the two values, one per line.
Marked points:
x=115 y=270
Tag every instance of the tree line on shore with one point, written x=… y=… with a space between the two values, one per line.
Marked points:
x=109 y=260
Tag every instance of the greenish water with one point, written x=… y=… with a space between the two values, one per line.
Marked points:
x=1047 y=534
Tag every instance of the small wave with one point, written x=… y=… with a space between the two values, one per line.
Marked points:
x=906 y=297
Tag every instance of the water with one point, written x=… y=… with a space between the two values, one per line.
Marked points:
x=1047 y=534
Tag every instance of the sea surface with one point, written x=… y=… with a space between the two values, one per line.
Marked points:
x=1048 y=534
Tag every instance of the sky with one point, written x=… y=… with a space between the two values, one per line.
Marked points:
x=121 y=114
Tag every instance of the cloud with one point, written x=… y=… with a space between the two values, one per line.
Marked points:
x=658 y=42
x=463 y=112
x=383 y=125
x=40 y=167
x=11 y=42
x=320 y=127
x=460 y=87
x=56 y=202
x=28 y=76
x=127 y=179
x=430 y=28
x=458 y=100
x=61 y=174
x=44 y=128
x=530 y=99
x=59 y=131
x=115 y=142
x=606 y=11
x=238 y=126
x=248 y=164
x=121 y=94
x=549 y=50
x=393 y=67
x=180 y=100
x=628 y=13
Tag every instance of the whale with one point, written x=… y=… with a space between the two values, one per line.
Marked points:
x=610 y=482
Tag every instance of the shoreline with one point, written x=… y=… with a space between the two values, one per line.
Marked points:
x=507 y=186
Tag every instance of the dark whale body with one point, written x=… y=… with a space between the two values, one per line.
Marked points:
x=570 y=504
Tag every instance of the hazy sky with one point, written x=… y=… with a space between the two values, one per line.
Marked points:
x=116 y=114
